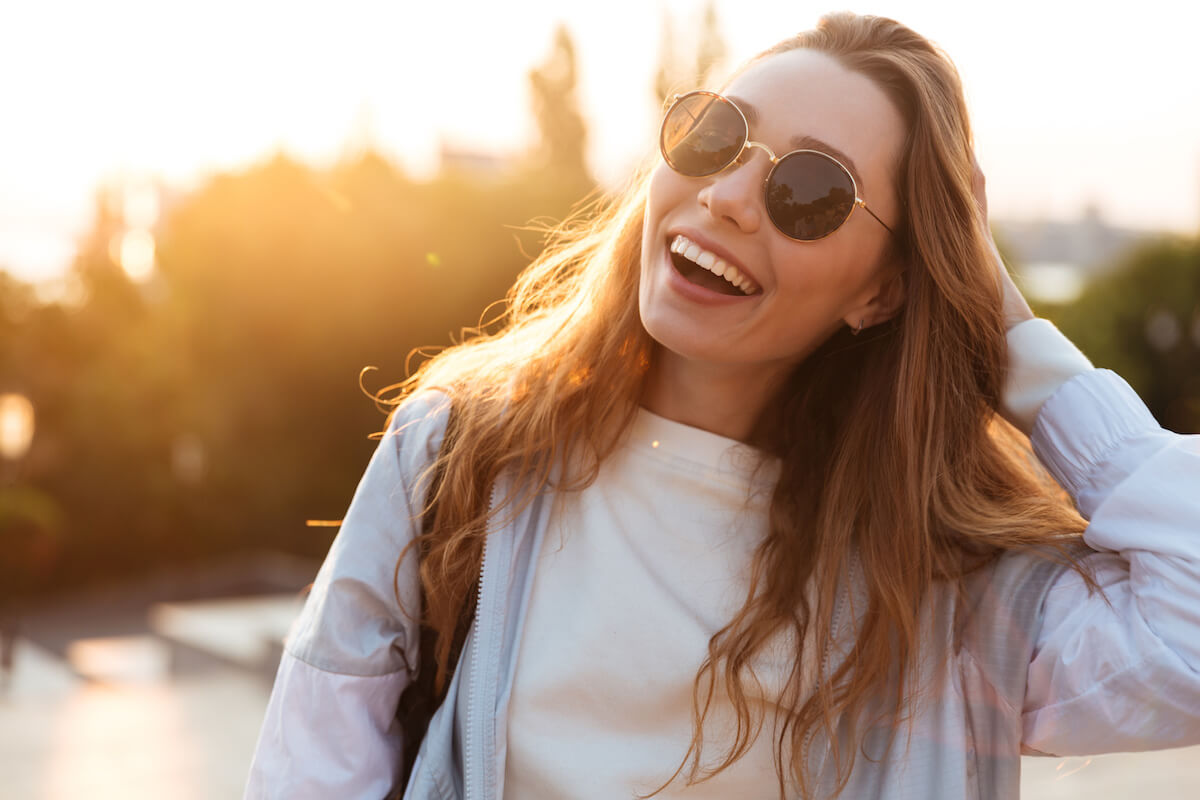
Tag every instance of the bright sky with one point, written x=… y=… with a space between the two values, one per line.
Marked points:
x=1071 y=104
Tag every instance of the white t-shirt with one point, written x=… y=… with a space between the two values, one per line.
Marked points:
x=635 y=574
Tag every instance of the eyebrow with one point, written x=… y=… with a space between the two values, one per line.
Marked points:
x=806 y=142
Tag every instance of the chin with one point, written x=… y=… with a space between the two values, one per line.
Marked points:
x=671 y=343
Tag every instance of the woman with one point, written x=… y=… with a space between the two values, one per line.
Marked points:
x=746 y=487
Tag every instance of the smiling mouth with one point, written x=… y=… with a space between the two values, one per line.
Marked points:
x=708 y=270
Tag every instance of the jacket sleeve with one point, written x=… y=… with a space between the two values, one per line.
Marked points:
x=330 y=727
x=1040 y=359
x=1122 y=675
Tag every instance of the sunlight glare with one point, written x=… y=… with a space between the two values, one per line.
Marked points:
x=67 y=290
x=268 y=94
x=139 y=205
x=121 y=659
x=91 y=754
x=137 y=254
x=16 y=425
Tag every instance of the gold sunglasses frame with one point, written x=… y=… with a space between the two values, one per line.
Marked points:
x=775 y=161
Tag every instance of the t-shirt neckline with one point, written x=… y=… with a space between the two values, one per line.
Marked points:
x=677 y=441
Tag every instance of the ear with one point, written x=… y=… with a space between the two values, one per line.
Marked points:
x=883 y=298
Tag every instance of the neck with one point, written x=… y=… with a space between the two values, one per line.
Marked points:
x=725 y=399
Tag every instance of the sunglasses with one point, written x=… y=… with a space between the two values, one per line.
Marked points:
x=808 y=194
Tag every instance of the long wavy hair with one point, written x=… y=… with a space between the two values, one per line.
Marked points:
x=890 y=442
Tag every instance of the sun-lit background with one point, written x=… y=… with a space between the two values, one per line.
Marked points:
x=213 y=216
x=1074 y=103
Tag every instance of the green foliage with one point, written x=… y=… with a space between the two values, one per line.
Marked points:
x=218 y=407
x=1142 y=320
x=31 y=534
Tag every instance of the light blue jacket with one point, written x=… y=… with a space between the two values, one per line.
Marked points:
x=1036 y=665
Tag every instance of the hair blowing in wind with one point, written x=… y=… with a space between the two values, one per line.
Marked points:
x=890 y=442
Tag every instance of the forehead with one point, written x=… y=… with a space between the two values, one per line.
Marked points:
x=805 y=93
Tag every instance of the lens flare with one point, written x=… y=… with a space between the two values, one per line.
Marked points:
x=16 y=425
x=137 y=254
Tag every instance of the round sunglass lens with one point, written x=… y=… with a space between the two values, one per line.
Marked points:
x=809 y=195
x=701 y=133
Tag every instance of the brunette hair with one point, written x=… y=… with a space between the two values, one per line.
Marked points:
x=890 y=443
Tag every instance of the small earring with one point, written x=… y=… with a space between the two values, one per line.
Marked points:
x=858 y=330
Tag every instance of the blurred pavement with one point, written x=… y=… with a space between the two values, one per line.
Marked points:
x=143 y=716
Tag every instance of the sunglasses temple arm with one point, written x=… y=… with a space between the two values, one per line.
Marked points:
x=877 y=219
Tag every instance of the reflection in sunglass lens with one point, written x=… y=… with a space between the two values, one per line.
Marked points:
x=809 y=195
x=701 y=134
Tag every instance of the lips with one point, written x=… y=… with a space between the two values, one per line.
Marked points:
x=697 y=292
x=716 y=248
x=685 y=252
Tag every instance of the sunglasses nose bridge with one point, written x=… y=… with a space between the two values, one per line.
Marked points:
x=751 y=144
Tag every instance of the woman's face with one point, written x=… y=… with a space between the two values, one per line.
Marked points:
x=802 y=291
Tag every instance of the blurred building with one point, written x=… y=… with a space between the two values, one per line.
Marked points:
x=479 y=163
x=1055 y=258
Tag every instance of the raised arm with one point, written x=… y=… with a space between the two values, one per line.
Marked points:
x=1125 y=677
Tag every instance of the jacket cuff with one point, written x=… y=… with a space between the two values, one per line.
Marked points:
x=1040 y=360
x=1081 y=426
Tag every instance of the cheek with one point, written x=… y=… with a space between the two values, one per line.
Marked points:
x=667 y=190
x=831 y=266
x=659 y=202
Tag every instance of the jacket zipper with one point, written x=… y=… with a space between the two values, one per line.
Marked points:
x=823 y=668
x=473 y=689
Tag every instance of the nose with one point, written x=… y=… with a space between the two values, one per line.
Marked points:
x=735 y=193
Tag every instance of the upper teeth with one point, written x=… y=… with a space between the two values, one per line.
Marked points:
x=713 y=263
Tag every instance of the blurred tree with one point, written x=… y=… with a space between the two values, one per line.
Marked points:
x=106 y=386
x=1142 y=320
x=669 y=76
x=216 y=406
x=711 y=50
x=676 y=72
x=31 y=537
x=553 y=87
x=16 y=304
x=221 y=411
